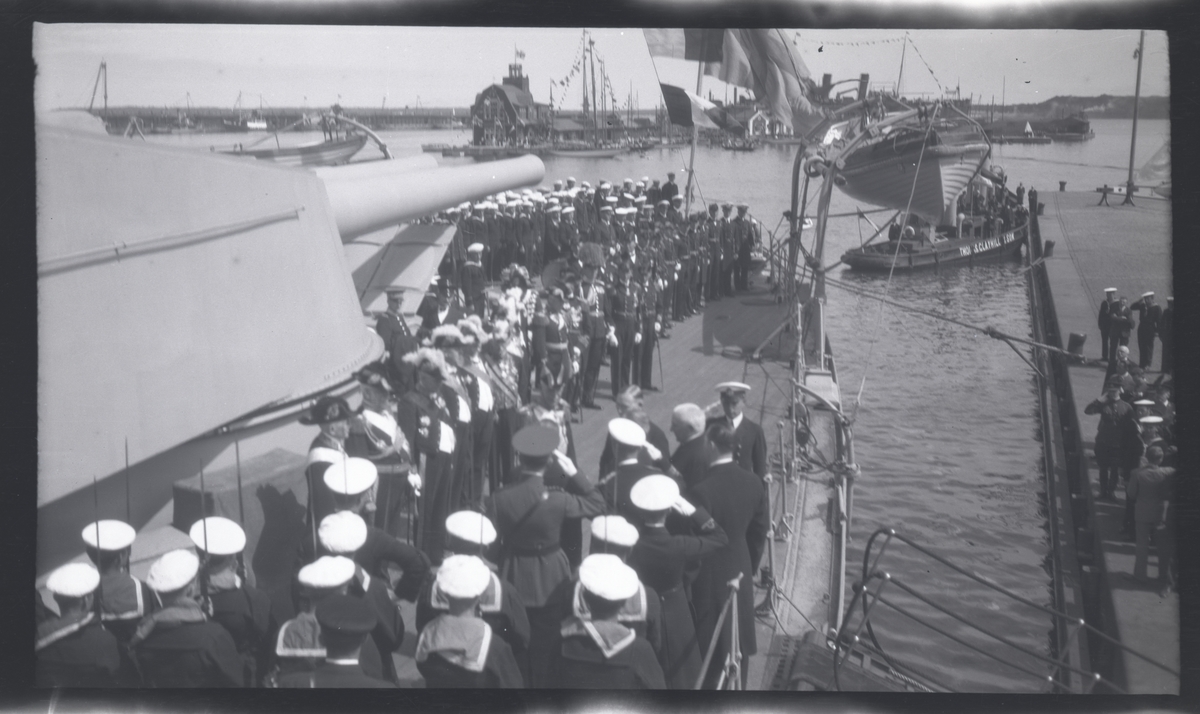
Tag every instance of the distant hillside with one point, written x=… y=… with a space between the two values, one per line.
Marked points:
x=1105 y=106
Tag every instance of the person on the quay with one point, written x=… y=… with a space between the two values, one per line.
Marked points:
x=1120 y=324
x=737 y=500
x=750 y=450
x=529 y=518
x=123 y=600
x=500 y=605
x=694 y=454
x=1167 y=337
x=1116 y=427
x=72 y=648
x=458 y=649
x=178 y=646
x=345 y=622
x=1149 y=316
x=1150 y=487
x=1104 y=321
x=601 y=652
x=659 y=557
x=243 y=610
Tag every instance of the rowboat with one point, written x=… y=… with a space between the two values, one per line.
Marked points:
x=907 y=255
x=323 y=153
x=586 y=153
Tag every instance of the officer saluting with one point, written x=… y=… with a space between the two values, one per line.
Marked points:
x=345 y=623
x=124 y=599
x=459 y=649
x=72 y=649
x=179 y=646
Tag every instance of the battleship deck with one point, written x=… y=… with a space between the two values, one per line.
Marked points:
x=1128 y=248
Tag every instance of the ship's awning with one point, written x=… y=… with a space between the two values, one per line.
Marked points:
x=178 y=290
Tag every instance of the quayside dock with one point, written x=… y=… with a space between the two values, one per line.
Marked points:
x=1129 y=248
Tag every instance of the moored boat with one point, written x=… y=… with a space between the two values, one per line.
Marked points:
x=323 y=153
x=583 y=152
x=905 y=255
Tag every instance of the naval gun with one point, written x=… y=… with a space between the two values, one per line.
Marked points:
x=191 y=306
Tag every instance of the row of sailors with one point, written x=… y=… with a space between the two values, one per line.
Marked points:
x=525 y=621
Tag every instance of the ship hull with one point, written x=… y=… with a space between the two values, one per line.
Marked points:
x=881 y=258
x=326 y=153
x=882 y=176
x=585 y=153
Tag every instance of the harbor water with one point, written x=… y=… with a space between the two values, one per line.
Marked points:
x=946 y=425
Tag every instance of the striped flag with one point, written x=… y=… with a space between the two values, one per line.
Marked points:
x=686 y=109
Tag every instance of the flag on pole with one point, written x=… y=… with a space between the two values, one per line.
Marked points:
x=695 y=45
x=687 y=109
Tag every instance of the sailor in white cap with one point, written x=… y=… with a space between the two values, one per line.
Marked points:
x=345 y=623
x=351 y=483
x=599 y=652
x=458 y=649
x=472 y=280
x=737 y=500
x=123 y=599
x=1104 y=321
x=179 y=646
x=72 y=648
x=298 y=646
x=751 y=449
x=243 y=610
x=1149 y=316
x=343 y=534
x=660 y=557
x=1120 y=325
x=628 y=440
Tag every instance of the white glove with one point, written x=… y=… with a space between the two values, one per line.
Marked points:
x=565 y=463
x=657 y=326
x=652 y=451
x=682 y=506
x=637 y=339
x=768 y=478
x=575 y=366
x=414 y=480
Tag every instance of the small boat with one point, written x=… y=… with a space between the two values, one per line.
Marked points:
x=941 y=250
x=323 y=153
x=740 y=145
x=597 y=152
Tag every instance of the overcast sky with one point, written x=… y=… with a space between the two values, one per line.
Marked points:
x=316 y=66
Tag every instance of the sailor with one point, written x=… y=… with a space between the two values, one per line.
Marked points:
x=654 y=193
x=243 y=610
x=1165 y=333
x=472 y=280
x=670 y=189
x=604 y=232
x=694 y=454
x=500 y=605
x=649 y=323
x=569 y=234
x=397 y=339
x=1120 y=321
x=332 y=415
x=631 y=404
x=675 y=212
x=659 y=558
x=628 y=440
x=179 y=646
x=72 y=648
x=529 y=517
x=729 y=249
x=123 y=599
x=1104 y=321
x=1149 y=316
x=345 y=623
x=343 y=534
x=553 y=247
x=737 y=500
x=600 y=652
x=750 y=451
x=298 y=645
x=712 y=228
x=642 y=611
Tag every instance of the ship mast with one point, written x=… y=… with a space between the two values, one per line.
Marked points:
x=1137 y=94
x=687 y=206
x=592 y=56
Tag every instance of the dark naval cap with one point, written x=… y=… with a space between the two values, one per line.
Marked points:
x=345 y=615
x=536 y=441
x=328 y=410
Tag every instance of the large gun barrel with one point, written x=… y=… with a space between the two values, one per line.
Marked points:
x=362 y=204
x=375 y=169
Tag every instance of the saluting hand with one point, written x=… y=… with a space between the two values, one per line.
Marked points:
x=565 y=463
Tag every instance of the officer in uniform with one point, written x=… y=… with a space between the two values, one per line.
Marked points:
x=332 y=415
x=600 y=652
x=729 y=250
x=675 y=212
x=1120 y=323
x=123 y=599
x=595 y=328
x=648 y=324
x=345 y=623
x=243 y=610
x=628 y=441
x=72 y=648
x=1166 y=334
x=745 y=238
x=711 y=228
x=670 y=189
x=179 y=646
x=623 y=313
x=1104 y=321
x=473 y=281
x=529 y=517
x=397 y=339
x=659 y=558
x=1149 y=316
x=750 y=450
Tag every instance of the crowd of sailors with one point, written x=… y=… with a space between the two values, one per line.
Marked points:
x=453 y=484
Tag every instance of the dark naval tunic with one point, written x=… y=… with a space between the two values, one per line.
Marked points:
x=75 y=651
x=333 y=675
x=464 y=653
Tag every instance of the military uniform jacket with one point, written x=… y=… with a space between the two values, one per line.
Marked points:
x=595 y=302
x=655 y=435
x=617 y=485
x=553 y=240
x=691 y=460
x=75 y=651
x=750 y=452
x=464 y=653
x=604 y=655
x=642 y=611
x=431 y=318
x=333 y=675
x=244 y=611
x=604 y=233
x=624 y=302
x=472 y=281
x=427 y=422
x=124 y=601
x=1148 y=318
x=382 y=548
x=529 y=517
x=298 y=648
x=394 y=332
x=389 y=630
x=500 y=607
x=196 y=653
x=669 y=190
x=1104 y=319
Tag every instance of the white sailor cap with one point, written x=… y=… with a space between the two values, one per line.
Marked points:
x=173 y=571
x=218 y=536
x=1151 y=419
x=654 y=493
x=480 y=206
x=615 y=530
x=733 y=388
x=342 y=533
x=628 y=181
x=645 y=179
x=568 y=210
x=553 y=200
x=350 y=476
x=641 y=183
x=475 y=248
x=606 y=577
x=1110 y=290
x=510 y=194
x=471 y=527
x=554 y=209
x=605 y=184
x=463 y=576
x=73 y=580
x=1148 y=293
x=585 y=184
x=627 y=196
x=627 y=432
x=328 y=571
x=640 y=199
x=112 y=535
x=464 y=205
x=1144 y=403
x=571 y=179
x=610 y=199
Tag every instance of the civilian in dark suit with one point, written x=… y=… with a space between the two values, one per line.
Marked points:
x=750 y=450
x=1149 y=315
x=345 y=623
x=670 y=189
x=694 y=454
x=438 y=311
x=1104 y=320
x=737 y=501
